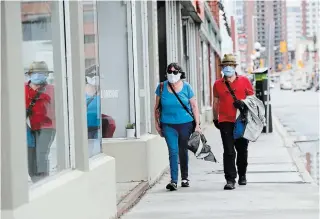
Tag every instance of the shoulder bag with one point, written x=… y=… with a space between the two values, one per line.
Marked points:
x=91 y=98
x=241 y=121
x=160 y=106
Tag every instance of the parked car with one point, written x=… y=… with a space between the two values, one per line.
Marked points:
x=285 y=81
x=299 y=83
x=285 y=85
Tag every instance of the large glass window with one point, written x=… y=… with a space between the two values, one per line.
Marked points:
x=92 y=89
x=45 y=88
x=117 y=83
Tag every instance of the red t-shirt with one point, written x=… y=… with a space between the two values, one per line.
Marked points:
x=241 y=87
x=43 y=112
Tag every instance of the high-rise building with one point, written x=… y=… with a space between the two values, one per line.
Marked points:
x=294 y=29
x=280 y=33
x=239 y=13
x=310 y=17
x=258 y=15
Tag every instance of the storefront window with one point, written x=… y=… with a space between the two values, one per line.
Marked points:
x=117 y=83
x=46 y=126
x=92 y=95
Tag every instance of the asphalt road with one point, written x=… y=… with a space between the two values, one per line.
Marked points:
x=299 y=112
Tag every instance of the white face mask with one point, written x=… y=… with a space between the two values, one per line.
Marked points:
x=172 y=78
x=93 y=81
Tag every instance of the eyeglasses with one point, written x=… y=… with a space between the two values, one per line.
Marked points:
x=175 y=72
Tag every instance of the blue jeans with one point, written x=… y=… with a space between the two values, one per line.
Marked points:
x=177 y=136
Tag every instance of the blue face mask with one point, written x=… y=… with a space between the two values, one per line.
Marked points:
x=38 y=78
x=228 y=71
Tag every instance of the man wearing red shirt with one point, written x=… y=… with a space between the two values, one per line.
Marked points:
x=40 y=115
x=224 y=115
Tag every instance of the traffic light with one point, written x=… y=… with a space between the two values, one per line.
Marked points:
x=261 y=63
x=283 y=46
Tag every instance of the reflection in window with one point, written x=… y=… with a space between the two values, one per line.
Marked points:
x=92 y=79
x=40 y=86
x=90 y=38
x=36 y=21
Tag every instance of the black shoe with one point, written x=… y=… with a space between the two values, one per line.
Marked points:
x=185 y=183
x=172 y=186
x=229 y=186
x=242 y=180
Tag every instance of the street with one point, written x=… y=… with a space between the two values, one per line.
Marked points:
x=275 y=189
x=299 y=113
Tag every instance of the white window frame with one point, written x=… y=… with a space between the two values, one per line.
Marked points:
x=65 y=93
x=1 y=97
x=168 y=31
x=69 y=84
x=145 y=46
x=133 y=67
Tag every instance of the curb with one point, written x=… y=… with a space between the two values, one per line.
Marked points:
x=293 y=150
x=132 y=198
x=136 y=194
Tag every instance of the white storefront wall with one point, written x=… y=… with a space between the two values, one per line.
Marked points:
x=84 y=187
x=172 y=29
x=143 y=158
x=191 y=59
x=78 y=185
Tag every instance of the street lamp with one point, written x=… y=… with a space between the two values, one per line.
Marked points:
x=257 y=46
x=258 y=51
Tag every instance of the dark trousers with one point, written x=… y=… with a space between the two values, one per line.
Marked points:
x=177 y=136
x=230 y=146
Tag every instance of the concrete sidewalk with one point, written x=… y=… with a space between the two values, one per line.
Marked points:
x=275 y=188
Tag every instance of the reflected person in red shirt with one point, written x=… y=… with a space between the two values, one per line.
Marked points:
x=40 y=113
x=224 y=115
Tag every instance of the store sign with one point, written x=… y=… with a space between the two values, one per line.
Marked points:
x=110 y=94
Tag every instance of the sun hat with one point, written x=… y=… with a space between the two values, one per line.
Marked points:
x=38 y=66
x=228 y=59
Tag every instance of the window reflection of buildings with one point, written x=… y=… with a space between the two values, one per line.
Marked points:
x=36 y=24
x=36 y=21
x=89 y=33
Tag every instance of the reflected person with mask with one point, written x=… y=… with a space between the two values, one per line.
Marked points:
x=40 y=114
x=224 y=117
x=176 y=118
x=93 y=103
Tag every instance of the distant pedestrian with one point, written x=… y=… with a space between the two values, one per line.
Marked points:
x=176 y=118
x=224 y=115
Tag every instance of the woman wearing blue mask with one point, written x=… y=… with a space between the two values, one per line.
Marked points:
x=40 y=115
x=177 y=117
